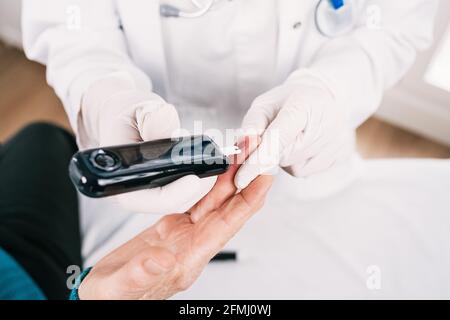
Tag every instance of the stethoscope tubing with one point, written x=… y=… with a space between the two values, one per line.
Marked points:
x=168 y=11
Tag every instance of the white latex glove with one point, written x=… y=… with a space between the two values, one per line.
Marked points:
x=303 y=130
x=114 y=111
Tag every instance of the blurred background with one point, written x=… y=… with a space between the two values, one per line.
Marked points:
x=413 y=121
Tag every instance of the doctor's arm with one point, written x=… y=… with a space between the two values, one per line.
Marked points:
x=108 y=99
x=80 y=42
x=358 y=68
x=316 y=109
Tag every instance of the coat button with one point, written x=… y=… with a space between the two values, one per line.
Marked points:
x=297 y=25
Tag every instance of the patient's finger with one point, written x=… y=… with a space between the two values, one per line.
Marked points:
x=221 y=225
x=224 y=187
x=243 y=205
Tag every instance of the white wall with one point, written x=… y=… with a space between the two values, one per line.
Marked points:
x=417 y=105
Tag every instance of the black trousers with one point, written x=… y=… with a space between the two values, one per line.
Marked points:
x=39 y=222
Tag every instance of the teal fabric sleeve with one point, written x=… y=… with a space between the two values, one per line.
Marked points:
x=74 y=292
x=15 y=283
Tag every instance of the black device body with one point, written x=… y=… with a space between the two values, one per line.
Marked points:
x=118 y=169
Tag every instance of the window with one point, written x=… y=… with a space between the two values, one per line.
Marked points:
x=438 y=73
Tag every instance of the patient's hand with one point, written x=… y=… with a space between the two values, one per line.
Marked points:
x=169 y=256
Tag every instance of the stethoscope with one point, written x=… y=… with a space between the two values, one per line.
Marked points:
x=169 y=11
x=332 y=17
x=335 y=18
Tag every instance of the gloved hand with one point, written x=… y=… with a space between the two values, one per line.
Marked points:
x=114 y=111
x=169 y=256
x=303 y=130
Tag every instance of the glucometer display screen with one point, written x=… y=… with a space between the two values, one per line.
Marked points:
x=133 y=155
x=160 y=153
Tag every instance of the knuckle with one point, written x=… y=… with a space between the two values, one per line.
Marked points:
x=182 y=283
x=137 y=273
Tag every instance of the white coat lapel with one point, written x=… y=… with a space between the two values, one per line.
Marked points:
x=145 y=39
x=292 y=14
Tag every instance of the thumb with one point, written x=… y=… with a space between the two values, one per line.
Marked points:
x=157 y=121
x=264 y=160
x=262 y=111
x=137 y=117
x=278 y=137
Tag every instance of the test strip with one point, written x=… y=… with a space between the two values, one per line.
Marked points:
x=230 y=151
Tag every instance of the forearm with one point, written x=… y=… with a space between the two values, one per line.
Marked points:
x=358 y=68
x=77 y=56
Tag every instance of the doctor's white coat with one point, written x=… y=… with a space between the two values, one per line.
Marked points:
x=82 y=40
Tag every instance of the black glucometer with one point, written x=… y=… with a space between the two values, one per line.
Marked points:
x=113 y=170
